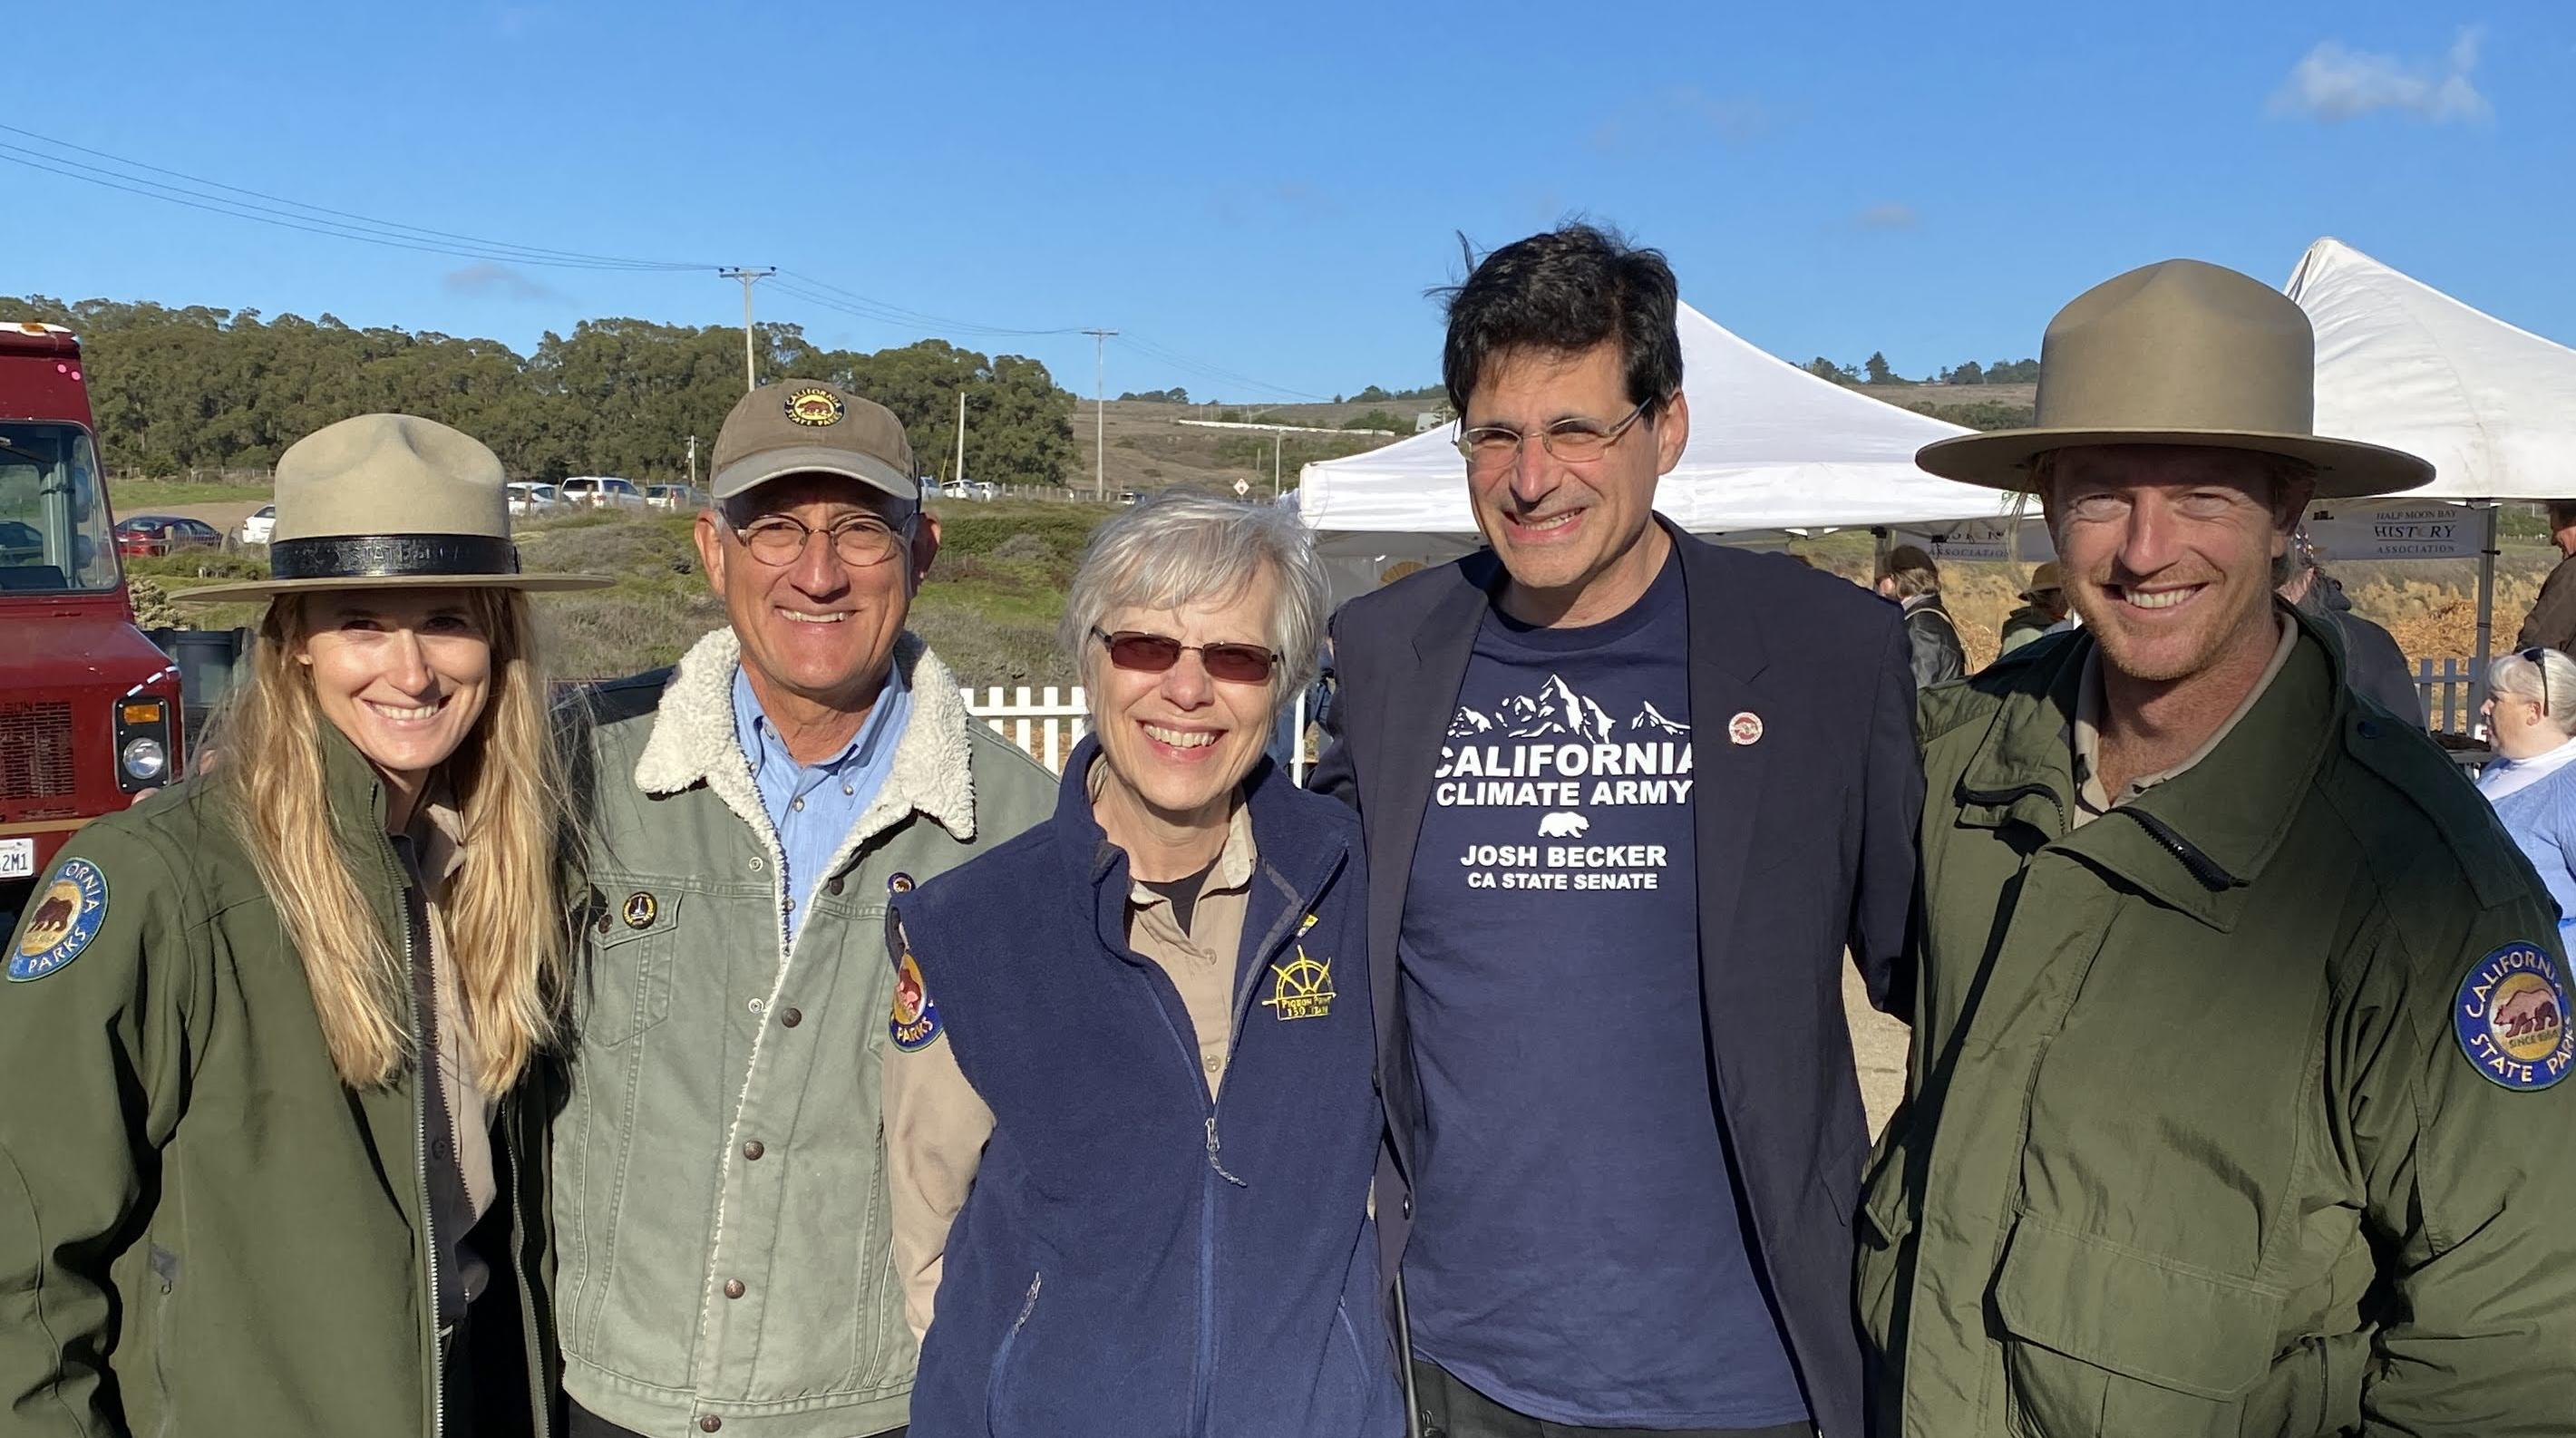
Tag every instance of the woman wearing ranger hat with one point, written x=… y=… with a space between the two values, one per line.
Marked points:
x=268 y=1165
x=2239 y=1099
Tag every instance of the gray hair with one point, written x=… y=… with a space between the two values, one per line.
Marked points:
x=2519 y=678
x=1178 y=549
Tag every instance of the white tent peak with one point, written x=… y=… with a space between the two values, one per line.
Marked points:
x=2402 y=364
x=1771 y=447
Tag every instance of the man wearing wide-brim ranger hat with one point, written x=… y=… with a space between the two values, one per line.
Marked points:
x=2237 y=1098
x=275 y=1160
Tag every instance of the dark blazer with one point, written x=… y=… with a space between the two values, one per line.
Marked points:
x=1806 y=845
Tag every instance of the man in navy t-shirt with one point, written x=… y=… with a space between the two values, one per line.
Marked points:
x=1628 y=797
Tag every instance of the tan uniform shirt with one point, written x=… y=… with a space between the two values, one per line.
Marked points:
x=2090 y=802
x=438 y=834
x=936 y=1123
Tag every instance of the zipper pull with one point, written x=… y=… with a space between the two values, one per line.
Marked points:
x=1214 y=1161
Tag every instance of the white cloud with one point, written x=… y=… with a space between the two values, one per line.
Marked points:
x=1894 y=215
x=2334 y=84
x=491 y=279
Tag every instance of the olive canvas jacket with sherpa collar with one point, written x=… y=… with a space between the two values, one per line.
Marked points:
x=202 y=1231
x=724 y=1240
x=2236 y=1110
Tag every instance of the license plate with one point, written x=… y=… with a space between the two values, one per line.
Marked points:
x=17 y=858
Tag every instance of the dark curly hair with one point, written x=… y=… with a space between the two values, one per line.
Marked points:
x=1565 y=291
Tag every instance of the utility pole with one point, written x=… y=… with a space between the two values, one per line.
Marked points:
x=749 y=277
x=960 y=475
x=1277 y=441
x=693 y=461
x=1100 y=411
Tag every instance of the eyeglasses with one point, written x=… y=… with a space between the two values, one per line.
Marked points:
x=2535 y=657
x=780 y=540
x=1492 y=446
x=1144 y=653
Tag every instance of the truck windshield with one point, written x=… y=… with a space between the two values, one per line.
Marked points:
x=53 y=520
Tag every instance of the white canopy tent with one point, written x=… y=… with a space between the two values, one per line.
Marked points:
x=2402 y=364
x=1771 y=447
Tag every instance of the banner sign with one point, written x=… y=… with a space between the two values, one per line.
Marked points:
x=1990 y=541
x=2393 y=529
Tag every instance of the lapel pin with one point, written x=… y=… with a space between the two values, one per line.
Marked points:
x=1745 y=728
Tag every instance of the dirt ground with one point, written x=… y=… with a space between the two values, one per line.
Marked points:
x=1878 y=1050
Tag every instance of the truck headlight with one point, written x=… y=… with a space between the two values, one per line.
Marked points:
x=145 y=759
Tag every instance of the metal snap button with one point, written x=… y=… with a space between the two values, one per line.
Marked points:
x=792 y=1017
x=753 y=1150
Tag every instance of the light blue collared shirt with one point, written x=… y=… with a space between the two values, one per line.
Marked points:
x=813 y=807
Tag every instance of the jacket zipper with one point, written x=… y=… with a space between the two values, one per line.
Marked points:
x=412 y=919
x=2200 y=865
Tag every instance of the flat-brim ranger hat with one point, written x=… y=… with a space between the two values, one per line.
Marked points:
x=2179 y=353
x=390 y=501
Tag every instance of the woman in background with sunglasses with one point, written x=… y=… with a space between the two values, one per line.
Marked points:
x=2531 y=715
x=1129 y=1113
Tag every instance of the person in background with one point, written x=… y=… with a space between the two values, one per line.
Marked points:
x=2552 y=620
x=2043 y=608
x=280 y=1037
x=723 y=1243
x=2531 y=712
x=2373 y=664
x=1130 y=1122
x=1907 y=575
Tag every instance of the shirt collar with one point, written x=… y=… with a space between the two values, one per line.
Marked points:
x=758 y=738
x=2089 y=798
x=1233 y=862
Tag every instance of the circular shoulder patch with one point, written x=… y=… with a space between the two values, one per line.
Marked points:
x=2511 y=1018
x=61 y=920
x=916 y=1019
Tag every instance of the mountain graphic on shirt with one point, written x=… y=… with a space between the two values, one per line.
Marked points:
x=1554 y=709
x=1652 y=719
x=1468 y=724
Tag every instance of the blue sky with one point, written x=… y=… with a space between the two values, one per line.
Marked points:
x=1267 y=192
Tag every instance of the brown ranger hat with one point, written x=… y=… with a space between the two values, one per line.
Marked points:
x=2180 y=353
x=390 y=501
x=803 y=426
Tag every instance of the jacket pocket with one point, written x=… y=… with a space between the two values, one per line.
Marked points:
x=2110 y=1341
x=627 y=988
x=1885 y=1221
x=998 y=1388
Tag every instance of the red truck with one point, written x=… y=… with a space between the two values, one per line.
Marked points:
x=89 y=708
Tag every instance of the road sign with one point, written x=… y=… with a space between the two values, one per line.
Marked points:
x=1242 y=487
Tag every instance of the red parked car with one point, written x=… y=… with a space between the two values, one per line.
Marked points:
x=163 y=533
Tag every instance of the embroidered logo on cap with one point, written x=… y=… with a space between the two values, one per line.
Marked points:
x=815 y=406
x=2511 y=1018
x=65 y=918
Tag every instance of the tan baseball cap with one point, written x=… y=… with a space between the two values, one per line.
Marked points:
x=803 y=426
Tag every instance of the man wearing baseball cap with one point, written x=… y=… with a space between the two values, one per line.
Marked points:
x=723 y=1240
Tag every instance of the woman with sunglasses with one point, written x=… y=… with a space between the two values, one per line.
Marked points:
x=274 y=1155
x=2531 y=717
x=1130 y=1120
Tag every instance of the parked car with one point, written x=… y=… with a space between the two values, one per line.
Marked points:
x=528 y=499
x=257 y=528
x=676 y=498
x=601 y=492
x=151 y=534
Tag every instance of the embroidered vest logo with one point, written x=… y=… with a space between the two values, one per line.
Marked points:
x=1302 y=988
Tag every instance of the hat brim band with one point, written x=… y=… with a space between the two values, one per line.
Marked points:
x=392 y=556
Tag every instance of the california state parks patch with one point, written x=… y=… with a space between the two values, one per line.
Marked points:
x=62 y=918
x=2511 y=1018
x=915 y=1025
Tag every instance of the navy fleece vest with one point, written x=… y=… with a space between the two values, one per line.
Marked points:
x=1135 y=1261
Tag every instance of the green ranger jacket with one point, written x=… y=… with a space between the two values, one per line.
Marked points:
x=202 y=1231
x=2235 y=1111
x=720 y=1199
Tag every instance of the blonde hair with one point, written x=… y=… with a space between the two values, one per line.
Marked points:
x=501 y=911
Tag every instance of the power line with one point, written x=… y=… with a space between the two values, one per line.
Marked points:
x=315 y=219
x=859 y=304
x=1205 y=370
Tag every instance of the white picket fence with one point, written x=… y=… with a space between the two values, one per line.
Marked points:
x=1046 y=722
x=2448 y=692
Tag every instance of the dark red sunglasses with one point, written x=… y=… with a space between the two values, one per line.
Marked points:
x=1153 y=653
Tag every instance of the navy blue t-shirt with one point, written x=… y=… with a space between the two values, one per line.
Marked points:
x=1576 y=1250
